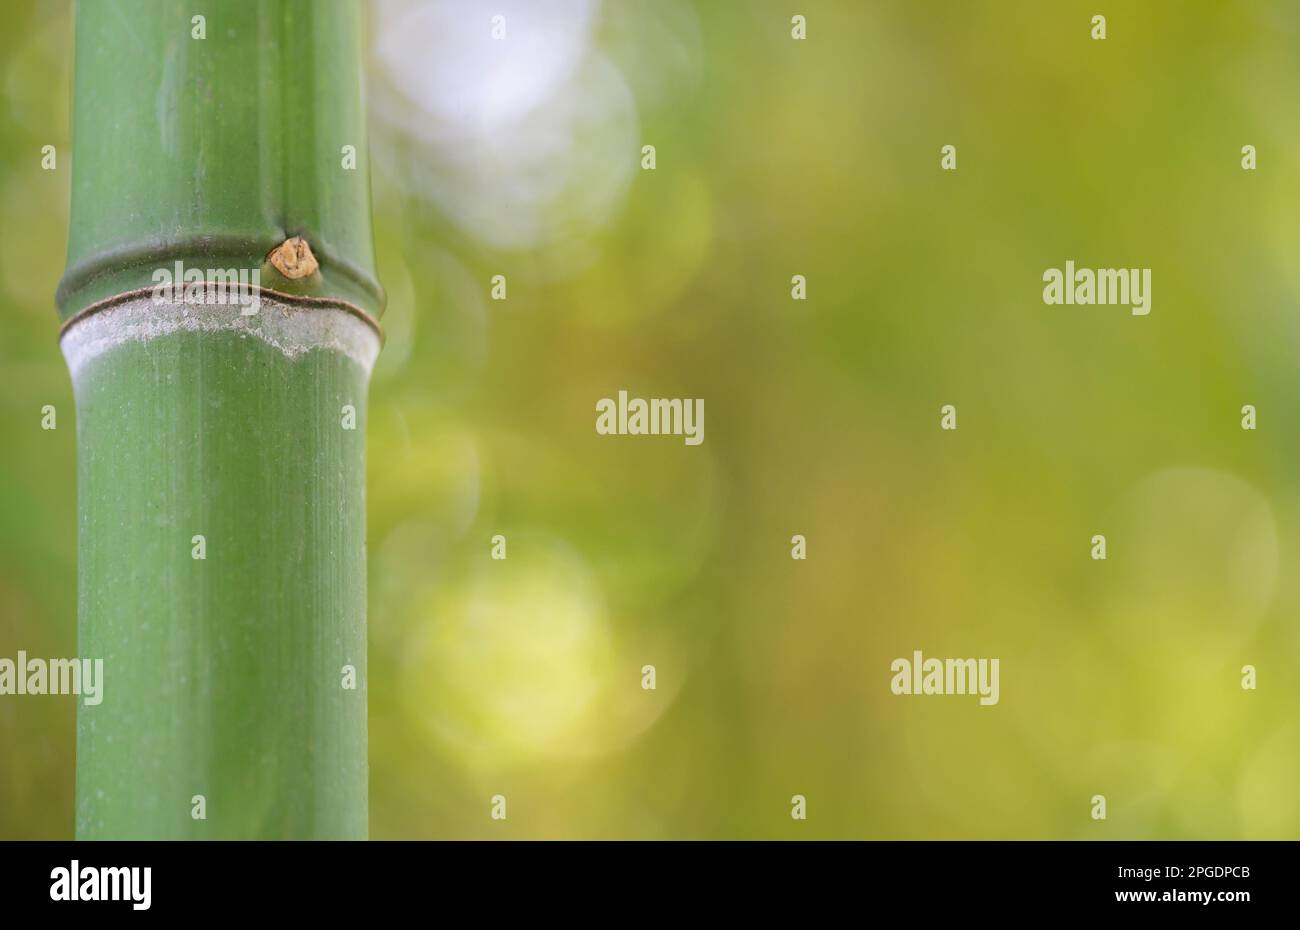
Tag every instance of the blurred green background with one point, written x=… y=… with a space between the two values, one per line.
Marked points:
x=775 y=157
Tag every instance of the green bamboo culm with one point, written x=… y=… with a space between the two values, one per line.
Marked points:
x=220 y=305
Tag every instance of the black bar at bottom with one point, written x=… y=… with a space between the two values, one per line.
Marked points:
x=332 y=881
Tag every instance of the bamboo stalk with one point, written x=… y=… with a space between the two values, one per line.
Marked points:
x=221 y=444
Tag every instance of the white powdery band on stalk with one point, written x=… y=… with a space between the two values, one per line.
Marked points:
x=291 y=327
